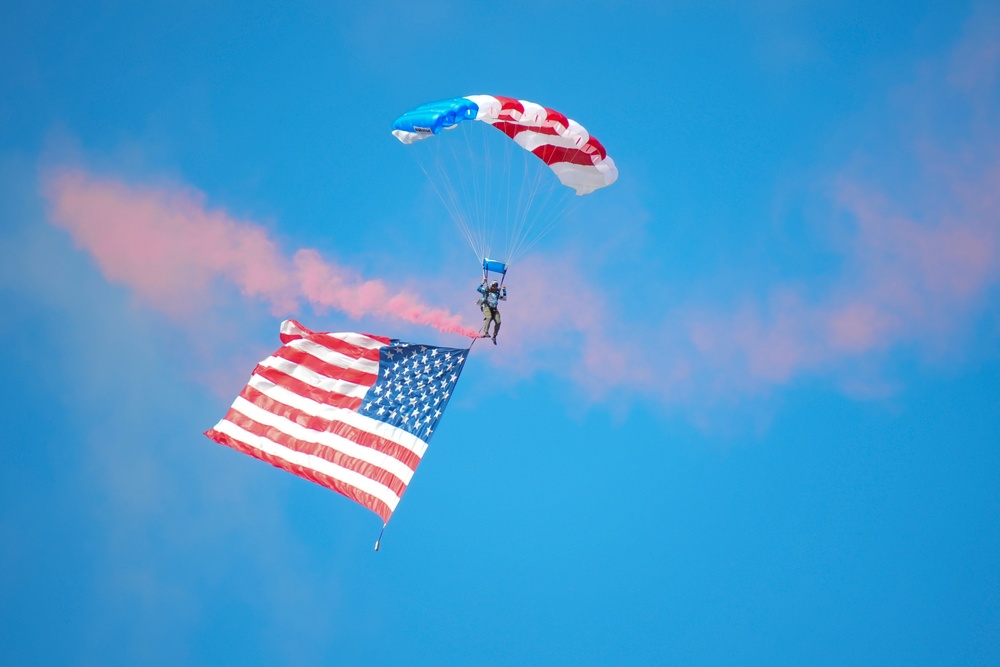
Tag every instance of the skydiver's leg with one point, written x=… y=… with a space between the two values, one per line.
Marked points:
x=487 y=318
x=496 y=329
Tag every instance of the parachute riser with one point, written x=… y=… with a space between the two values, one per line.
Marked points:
x=495 y=266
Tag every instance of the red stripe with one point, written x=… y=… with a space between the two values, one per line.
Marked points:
x=389 y=447
x=299 y=387
x=512 y=129
x=597 y=146
x=508 y=106
x=326 y=369
x=353 y=351
x=382 y=339
x=590 y=147
x=554 y=116
x=352 y=492
x=335 y=456
x=306 y=333
x=552 y=154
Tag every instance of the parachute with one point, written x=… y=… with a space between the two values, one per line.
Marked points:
x=504 y=190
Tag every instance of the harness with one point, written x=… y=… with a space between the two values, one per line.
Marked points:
x=485 y=300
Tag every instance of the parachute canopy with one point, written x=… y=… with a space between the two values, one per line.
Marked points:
x=504 y=190
x=578 y=159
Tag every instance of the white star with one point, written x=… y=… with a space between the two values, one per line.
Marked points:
x=437 y=414
x=380 y=411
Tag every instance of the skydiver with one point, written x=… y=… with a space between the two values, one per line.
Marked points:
x=490 y=301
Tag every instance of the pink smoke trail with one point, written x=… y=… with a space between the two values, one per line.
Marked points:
x=169 y=248
x=325 y=284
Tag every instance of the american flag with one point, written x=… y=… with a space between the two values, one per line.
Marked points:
x=352 y=412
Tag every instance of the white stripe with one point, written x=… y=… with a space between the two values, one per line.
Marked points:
x=333 y=357
x=367 y=454
x=534 y=114
x=314 y=379
x=293 y=328
x=583 y=179
x=410 y=137
x=576 y=131
x=530 y=140
x=489 y=107
x=360 y=340
x=355 y=479
x=349 y=417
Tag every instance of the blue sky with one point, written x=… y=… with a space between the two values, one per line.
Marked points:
x=743 y=410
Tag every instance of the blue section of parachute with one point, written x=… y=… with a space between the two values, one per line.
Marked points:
x=435 y=116
x=494 y=265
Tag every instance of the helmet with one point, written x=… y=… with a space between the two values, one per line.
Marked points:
x=494 y=285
